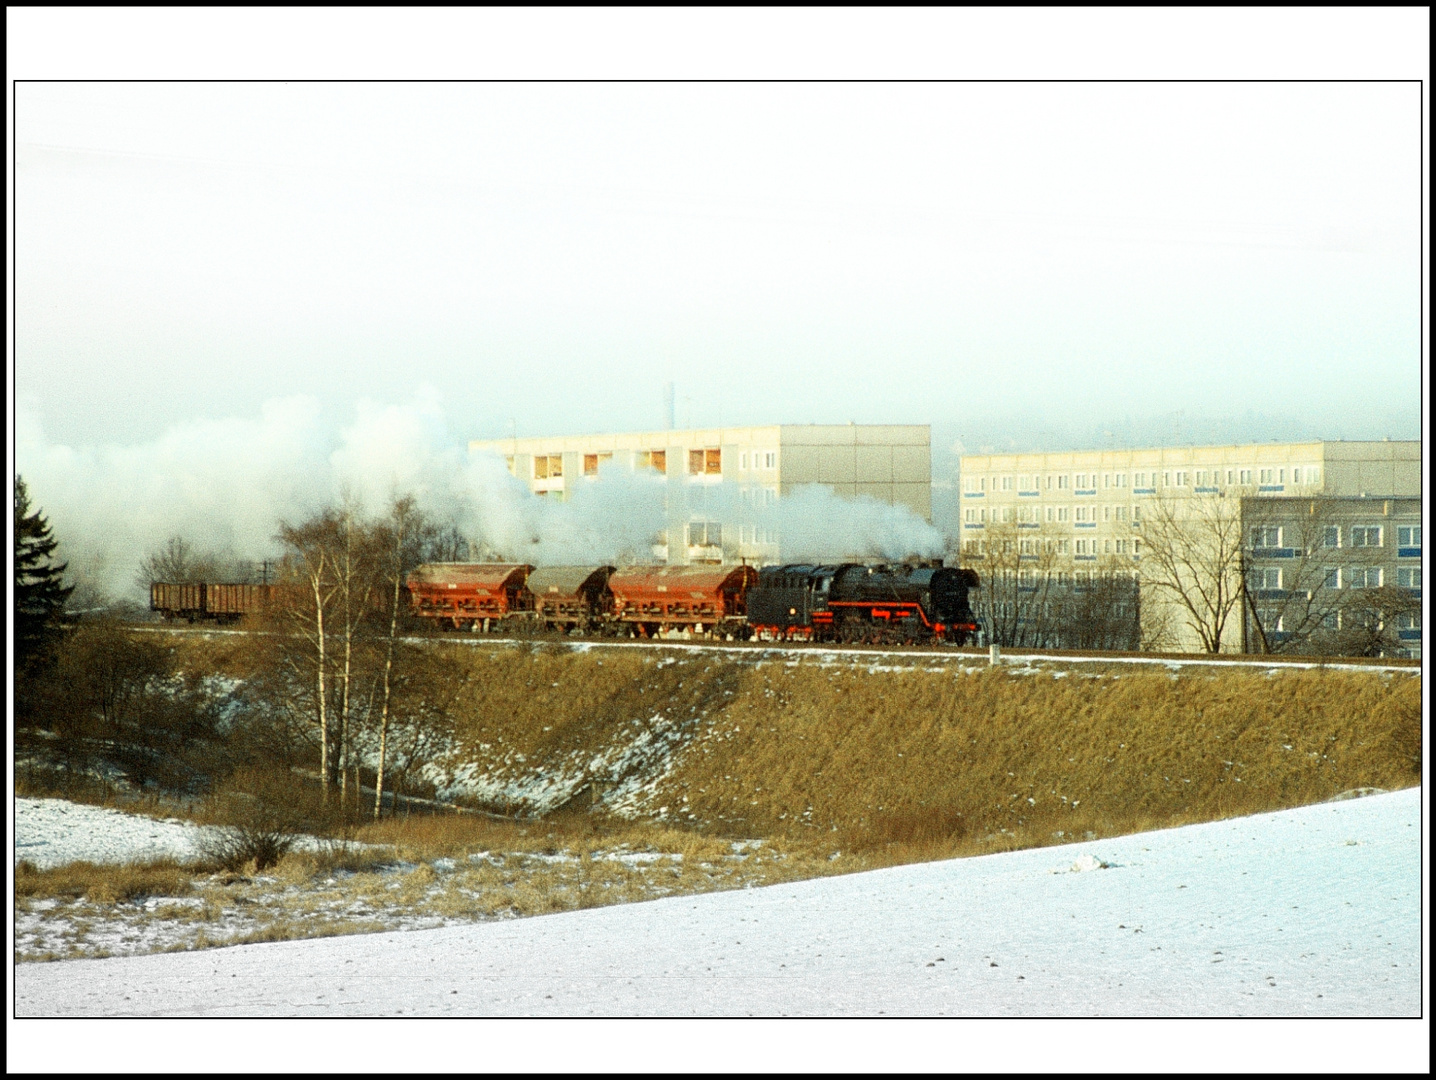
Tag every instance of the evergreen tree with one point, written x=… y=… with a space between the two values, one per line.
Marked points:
x=40 y=594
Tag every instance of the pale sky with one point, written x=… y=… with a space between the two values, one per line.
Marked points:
x=989 y=258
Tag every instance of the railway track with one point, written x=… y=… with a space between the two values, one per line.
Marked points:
x=963 y=656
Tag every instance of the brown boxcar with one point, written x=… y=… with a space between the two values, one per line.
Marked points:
x=464 y=595
x=571 y=596
x=700 y=598
x=178 y=600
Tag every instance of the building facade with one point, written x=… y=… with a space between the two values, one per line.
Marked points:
x=719 y=479
x=1178 y=523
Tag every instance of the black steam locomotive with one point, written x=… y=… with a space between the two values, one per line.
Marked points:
x=852 y=602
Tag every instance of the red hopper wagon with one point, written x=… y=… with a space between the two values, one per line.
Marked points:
x=698 y=598
x=467 y=595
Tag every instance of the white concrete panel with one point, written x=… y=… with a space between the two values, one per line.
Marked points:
x=912 y=464
x=875 y=464
x=893 y=434
x=916 y=496
x=800 y=464
x=818 y=434
x=881 y=492
x=835 y=465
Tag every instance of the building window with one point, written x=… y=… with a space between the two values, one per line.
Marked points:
x=1367 y=536
x=1049 y=481
x=653 y=459
x=1106 y=480
x=1081 y=481
x=1027 y=548
x=1006 y=515
x=1408 y=536
x=1120 y=480
x=591 y=463
x=1136 y=550
x=1106 y=547
x=1266 y=578
x=969 y=515
x=1064 y=547
x=1409 y=577
x=1231 y=477
x=1082 y=512
x=1266 y=476
x=705 y=534
x=743 y=461
x=1121 y=513
x=1246 y=476
x=1331 y=536
x=770 y=459
x=1107 y=513
x=1081 y=547
x=1121 y=547
x=1051 y=513
x=1062 y=483
x=705 y=462
x=509 y=461
x=546 y=465
x=1007 y=483
x=1139 y=480
x=1136 y=515
x=1363 y=577
x=1201 y=478
x=1062 y=513
x=982 y=516
x=1266 y=536
x=1333 y=578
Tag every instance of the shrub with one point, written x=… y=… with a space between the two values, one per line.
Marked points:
x=260 y=814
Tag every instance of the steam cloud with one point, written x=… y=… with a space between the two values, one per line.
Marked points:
x=225 y=485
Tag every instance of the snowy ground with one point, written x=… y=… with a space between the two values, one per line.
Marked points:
x=52 y=832
x=1309 y=912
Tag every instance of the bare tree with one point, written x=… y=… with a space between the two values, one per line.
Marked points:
x=178 y=561
x=353 y=560
x=1191 y=549
x=309 y=561
x=402 y=538
x=1292 y=567
x=1371 y=620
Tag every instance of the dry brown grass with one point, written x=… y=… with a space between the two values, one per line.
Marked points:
x=928 y=763
x=102 y=883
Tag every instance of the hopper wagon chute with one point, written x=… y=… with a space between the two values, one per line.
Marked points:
x=468 y=596
x=571 y=597
x=651 y=599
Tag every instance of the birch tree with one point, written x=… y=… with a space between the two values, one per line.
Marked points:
x=309 y=563
x=401 y=538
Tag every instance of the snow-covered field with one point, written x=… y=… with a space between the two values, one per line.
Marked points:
x=52 y=832
x=1309 y=912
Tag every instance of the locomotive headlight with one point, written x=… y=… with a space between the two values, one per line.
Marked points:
x=792 y=611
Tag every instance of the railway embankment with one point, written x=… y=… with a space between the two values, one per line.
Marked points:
x=916 y=757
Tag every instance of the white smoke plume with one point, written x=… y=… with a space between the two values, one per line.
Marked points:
x=225 y=486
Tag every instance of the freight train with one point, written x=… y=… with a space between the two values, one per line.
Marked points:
x=840 y=602
x=844 y=602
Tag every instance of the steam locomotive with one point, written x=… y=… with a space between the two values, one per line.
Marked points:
x=845 y=602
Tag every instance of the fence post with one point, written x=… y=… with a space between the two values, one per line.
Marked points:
x=994 y=653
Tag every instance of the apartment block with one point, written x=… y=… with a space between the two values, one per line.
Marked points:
x=715 y=476
x=1082 y=514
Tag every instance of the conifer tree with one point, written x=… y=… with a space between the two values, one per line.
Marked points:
x=40 y=592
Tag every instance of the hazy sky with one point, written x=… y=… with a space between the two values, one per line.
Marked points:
x=1039 y=257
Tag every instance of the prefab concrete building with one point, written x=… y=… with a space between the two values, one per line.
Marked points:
x=713 y=472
